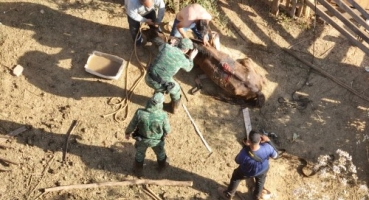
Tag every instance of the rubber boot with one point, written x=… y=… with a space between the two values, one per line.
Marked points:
x=138 y=168
x=175 y=105
x=162 y=164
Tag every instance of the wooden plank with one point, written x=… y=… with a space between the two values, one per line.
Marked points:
x=354 y=15
x=293 y=9
x=346 y=21
x=359 y=8
x=275 y=7
x=246 y=119
x=345 y=33
x=306 y=10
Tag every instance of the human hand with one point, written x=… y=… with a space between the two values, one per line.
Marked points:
x=150 y=22
x=165 y=136
x=264 y=138
x=193 y=54
x=246 y=142
x=206 y=42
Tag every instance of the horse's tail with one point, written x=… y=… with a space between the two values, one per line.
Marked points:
x=260 y=99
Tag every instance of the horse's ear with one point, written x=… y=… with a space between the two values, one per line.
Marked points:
x=244 y=61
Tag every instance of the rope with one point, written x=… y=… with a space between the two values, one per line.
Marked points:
x=123 y=103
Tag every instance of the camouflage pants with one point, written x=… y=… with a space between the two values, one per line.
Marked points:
x=175 y=92
x=144 y=144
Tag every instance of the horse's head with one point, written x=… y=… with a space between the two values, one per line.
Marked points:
x=153 y=35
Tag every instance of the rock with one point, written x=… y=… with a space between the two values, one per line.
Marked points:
x=17 y=71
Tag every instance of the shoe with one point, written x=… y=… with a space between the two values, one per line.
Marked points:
x=175 y=105
x=138 y=168
x=223 y=194
x=265 y=194
x=163 y=164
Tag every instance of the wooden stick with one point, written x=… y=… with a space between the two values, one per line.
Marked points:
x=8 y=161
x=42 y=175
x=146 y=188
x=197 y=130
x=324 y=73
x=163 y=182
x=17 y=131
x=5 y=170
x=4 y=146
x=149 y=194
x=71 y=128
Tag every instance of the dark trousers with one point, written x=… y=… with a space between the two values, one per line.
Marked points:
x=238 y=176
x=176 y=33
x=134 y=26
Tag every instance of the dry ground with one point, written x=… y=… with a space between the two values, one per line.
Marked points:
x=52 y=41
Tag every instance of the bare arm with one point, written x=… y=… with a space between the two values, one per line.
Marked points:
x=181 y=30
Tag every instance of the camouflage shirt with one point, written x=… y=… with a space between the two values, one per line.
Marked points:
x=152 y=122
x=169 y=61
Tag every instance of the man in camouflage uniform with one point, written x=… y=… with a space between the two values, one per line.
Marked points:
x=167 y=63
x=149 y=127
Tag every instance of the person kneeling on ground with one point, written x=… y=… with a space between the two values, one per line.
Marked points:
x=149 y=127
x=167 y=63
x=253 y=162
x=193 y=17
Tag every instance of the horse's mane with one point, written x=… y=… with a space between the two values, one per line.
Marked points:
x=204 y=51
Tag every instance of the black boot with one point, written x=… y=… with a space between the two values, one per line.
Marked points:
x=162 y=164
x=175 y=105
x=138 y=168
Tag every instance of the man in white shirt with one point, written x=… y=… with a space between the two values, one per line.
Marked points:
x=143 y=11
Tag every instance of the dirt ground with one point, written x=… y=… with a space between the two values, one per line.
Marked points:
x=52 y=41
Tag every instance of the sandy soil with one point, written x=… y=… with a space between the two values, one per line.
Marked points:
x=52 y=41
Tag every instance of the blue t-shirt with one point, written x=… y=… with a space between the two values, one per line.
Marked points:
x=251 y=167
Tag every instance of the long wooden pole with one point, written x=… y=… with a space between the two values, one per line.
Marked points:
x=197 y=129
x=163 y=182
x=324 y=73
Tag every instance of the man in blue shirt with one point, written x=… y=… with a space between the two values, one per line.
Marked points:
x=253 y=162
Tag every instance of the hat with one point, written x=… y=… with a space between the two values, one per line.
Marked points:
x=254 y=137
x=158 y=98
x=185 y=43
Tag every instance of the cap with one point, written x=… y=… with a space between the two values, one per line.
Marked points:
x=158 y=98
x=185 y=43
x=254 y=137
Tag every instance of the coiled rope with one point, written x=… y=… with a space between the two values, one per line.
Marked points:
x=123 y=103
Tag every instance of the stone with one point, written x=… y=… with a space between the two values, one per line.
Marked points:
x=17 y=71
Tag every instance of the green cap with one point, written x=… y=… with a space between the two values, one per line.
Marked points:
x=158 y=98
x=185 y=43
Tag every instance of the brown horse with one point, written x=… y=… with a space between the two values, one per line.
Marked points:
x=237 y=78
